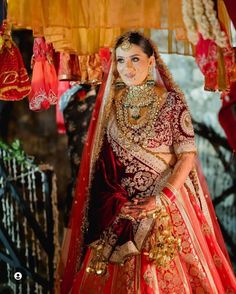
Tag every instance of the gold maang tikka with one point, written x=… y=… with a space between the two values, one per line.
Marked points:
x=126 y=45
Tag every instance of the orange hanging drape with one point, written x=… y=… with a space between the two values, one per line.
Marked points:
x=83 y=26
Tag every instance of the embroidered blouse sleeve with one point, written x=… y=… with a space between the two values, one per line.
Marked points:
x=182 y=128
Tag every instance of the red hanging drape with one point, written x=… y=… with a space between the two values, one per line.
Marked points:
x=230 y=6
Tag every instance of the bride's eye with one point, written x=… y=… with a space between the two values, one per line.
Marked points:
x=135 y=59
x=120 y=60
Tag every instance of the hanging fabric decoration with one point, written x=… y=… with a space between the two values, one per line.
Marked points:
x=217 y=64
x=63 y=86
x=227 y=115
x=105 y=56
x=201 y=16
x=14 y=79
x=44 y=78
x=94 y=69
x=82 y=26
x=86 y=69
x=69 y=69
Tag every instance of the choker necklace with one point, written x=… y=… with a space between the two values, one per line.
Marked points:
x=137 y=97
x=136 y=111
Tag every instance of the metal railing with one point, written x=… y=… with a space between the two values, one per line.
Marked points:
x=28 y=223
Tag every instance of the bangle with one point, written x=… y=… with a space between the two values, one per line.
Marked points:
x=170 y=192
x=172 y=188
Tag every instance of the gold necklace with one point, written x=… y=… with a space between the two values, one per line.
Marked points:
x=137 y=97
x=135 y=101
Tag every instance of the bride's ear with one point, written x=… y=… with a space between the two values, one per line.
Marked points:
x=151 y=61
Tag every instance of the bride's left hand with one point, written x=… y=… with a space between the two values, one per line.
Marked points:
x=139 y=207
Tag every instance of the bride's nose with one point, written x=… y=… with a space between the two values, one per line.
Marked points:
x=129 y=64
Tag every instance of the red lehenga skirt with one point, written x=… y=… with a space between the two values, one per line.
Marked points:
x=200 y=267
x=201 y=264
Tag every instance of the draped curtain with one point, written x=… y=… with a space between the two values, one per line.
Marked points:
x=83 y=26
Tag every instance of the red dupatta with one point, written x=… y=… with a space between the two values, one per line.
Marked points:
x=73 y=243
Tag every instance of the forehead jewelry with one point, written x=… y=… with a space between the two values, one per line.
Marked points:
x=126 y=45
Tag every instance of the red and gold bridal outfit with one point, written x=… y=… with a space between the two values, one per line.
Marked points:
x=124 y=170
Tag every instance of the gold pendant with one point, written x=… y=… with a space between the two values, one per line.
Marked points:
x=135 y=113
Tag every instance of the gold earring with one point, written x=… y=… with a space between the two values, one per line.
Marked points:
x=119 y=84
x=150 y=78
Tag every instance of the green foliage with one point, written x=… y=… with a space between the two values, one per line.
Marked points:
x=15 y=151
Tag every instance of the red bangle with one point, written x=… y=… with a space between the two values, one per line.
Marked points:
x=169 y=194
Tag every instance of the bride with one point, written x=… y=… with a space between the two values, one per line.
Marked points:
x=141 y=221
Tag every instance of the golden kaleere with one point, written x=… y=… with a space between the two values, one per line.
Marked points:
x=164 y=246
x=98 y=264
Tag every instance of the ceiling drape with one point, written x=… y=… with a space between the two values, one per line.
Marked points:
x=83 y=26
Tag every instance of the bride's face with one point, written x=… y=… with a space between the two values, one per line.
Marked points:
x=133 y=65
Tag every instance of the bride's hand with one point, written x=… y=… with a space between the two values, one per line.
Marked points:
x=139 y=207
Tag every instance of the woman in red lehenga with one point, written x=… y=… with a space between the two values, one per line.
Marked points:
x=142 y=221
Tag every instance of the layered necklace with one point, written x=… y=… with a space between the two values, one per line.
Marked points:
x=136 y=111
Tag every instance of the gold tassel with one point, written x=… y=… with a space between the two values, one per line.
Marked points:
x=98 y=264
x=164 y=245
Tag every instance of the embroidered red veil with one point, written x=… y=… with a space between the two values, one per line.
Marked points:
x=73 y=246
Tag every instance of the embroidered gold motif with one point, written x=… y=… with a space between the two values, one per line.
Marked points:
x=140 y=178
x=141 y=181
x=135 y=151
x=148 y=276
x=125 y=278
x=217 y=260
x=206 y=229
x=186 y=124
x=169 y=280
x=198 y=277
